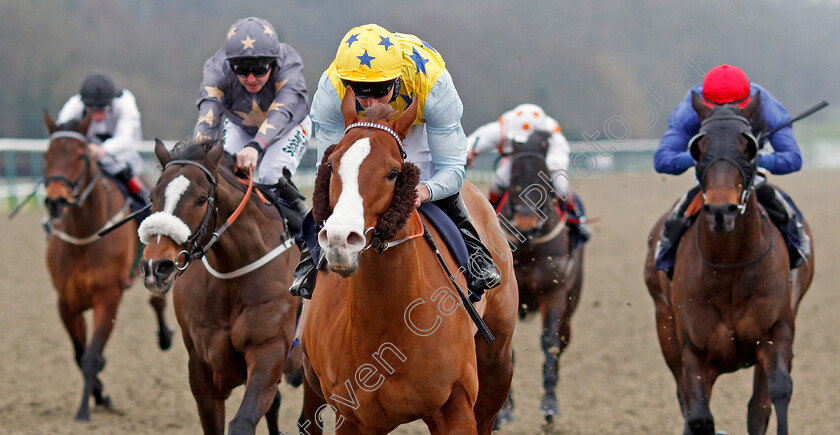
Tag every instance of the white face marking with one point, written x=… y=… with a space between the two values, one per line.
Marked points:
x=349 y=211
x=164 y=222
x=174 y=190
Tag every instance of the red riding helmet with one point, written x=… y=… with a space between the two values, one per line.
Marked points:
x=725 y=84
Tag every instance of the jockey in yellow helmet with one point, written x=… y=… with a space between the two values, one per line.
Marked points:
x=395 y=69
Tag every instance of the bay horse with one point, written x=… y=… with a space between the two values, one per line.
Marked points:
x=549 y=271
x=236 y=315
x=87 y=270
x=385 y=339
x=733 y=298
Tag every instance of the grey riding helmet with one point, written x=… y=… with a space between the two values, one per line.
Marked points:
x=251 y=40
x=97 y=90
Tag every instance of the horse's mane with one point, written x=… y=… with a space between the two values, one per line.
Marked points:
x=379 y=112
x=195 y=150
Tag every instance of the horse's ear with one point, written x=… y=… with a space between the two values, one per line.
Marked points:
x=348 y=107
x=214 y=156
x=699 y=105
x=161 y=152
x=406 y=119
x=48 y=121
x=751 y=109
x=83 y=126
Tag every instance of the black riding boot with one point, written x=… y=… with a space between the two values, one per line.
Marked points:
x=675 y=226
x=781 y=213
x=139 y=199
x=294 y=201
x=305 y=272
x=483 y=274
x=580 y=231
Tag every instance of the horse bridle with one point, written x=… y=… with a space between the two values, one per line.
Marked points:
x=746 y=167
x=194 y=250
x=77 y=194
x=377 y=240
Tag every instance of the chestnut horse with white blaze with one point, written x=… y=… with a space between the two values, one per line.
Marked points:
x=236 y=315
x=88 y=271
x=385 y=338
x=733 y=299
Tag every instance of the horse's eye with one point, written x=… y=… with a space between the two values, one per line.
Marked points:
x=201 y=200
x=393 y=175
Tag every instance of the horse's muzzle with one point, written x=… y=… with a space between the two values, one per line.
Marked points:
x=721 y=217
x=158 y=275
x=56 y=207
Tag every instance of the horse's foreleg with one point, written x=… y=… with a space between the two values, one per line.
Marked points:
x=74 y=322
x=695 y=382
x=308 y=422
x=164 y=333
x=211 y=407
x=265 y=368
x=272 y=415
x=456 y=416
x=105 y=313
x=772 y=378
x=552 y=345
x=666 y=332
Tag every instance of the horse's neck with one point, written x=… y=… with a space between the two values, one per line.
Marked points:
x=384 y=284
x=245 y=240
x=744 y=242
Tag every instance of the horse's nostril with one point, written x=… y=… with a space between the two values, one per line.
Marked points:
x=144 y=267
x=355 y=240
x=164 y=269
x=732 y=208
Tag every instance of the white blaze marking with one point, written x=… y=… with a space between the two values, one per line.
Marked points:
x=349 y=211
x=165 y=223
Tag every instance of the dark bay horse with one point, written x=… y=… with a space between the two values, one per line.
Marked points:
x=385 y=339
x=87 y=270
x=234 y=308
x=548 y=270
x=733 y=299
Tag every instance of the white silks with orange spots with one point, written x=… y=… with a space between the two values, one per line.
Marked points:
x=517 y=125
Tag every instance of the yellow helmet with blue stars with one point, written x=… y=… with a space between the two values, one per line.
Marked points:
x=369 y=53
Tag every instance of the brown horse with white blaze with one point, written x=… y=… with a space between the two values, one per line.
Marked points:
x=733 y=298
x=88 y=271
x=236 y=315
x=385 y=338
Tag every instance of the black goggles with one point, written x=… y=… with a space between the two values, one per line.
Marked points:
x=370 y=89
x=257 y=69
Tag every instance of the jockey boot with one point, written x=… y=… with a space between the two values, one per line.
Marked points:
x=496 y=195
x=139 y=194
x=580 y=231
x=483 y=274
x=783 y=215
x=305 y=273
x=289 y=196
x=673 y=229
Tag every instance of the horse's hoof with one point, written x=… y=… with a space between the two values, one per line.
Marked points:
x=701 y=426
x=549 y=418
x=549 y=406
x=165 y=339
x=82 y=417
x=104 y=402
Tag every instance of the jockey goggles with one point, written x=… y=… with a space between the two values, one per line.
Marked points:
x=243 y=68
x=370 y=89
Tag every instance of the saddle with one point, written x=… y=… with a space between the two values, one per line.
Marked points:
x=450 y=233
